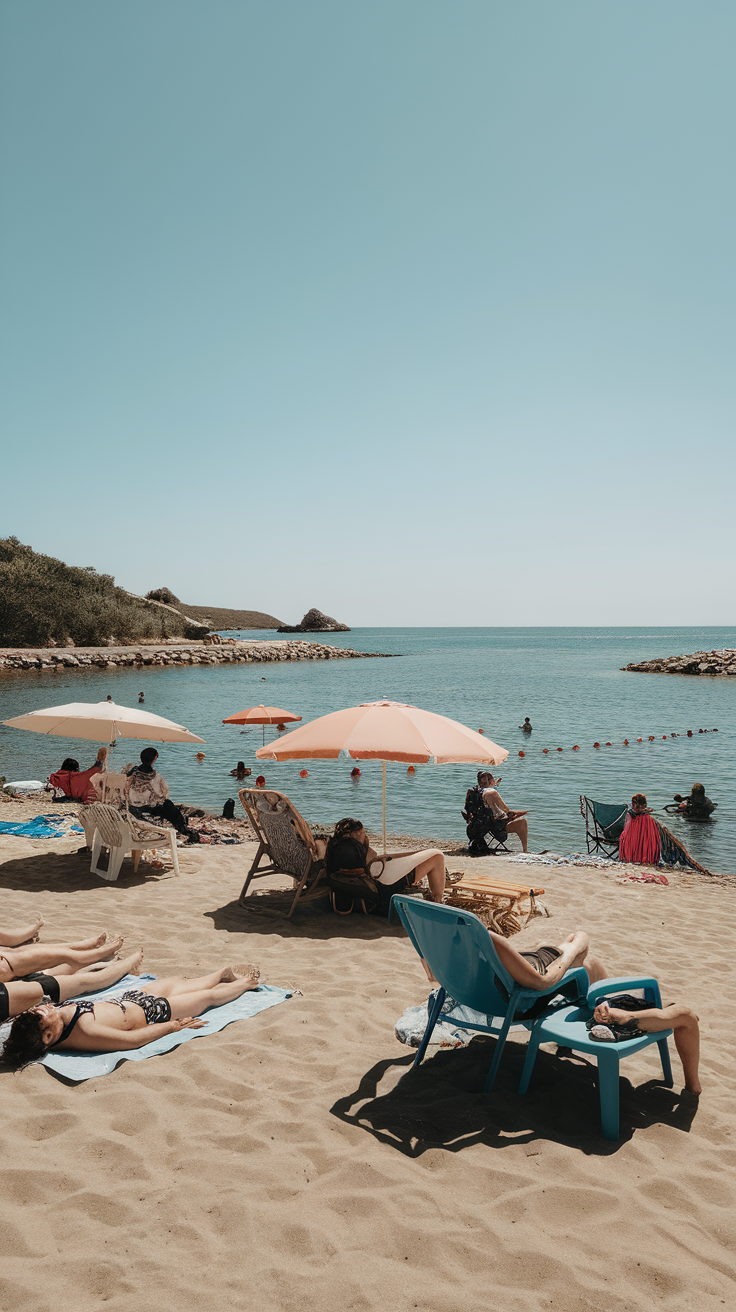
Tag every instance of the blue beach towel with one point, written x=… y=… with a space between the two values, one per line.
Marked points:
x=80 y=1066
x=41 y=826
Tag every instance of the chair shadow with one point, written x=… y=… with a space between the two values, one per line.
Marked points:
x=67 y=872
x=441 y=1103
x=314 y=920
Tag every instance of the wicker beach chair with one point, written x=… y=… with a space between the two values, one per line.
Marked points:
x=604 y=825
x=284 y=837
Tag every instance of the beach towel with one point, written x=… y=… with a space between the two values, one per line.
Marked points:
x=78 y=1066
x=41 y=826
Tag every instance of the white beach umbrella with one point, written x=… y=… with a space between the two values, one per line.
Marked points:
x=103 y=722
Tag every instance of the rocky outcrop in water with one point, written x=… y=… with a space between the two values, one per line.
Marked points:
x=700 y=662
x=315 y=621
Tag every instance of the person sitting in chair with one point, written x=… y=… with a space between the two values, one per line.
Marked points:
x=147 y=794
x=71 y=784
x=487 y=813
x=349 y=849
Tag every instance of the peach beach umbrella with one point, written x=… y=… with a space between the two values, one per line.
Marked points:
x=385 y=731
x=262 y=715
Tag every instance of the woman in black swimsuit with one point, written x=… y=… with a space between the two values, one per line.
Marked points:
x=138 y=1017
x=29 y=991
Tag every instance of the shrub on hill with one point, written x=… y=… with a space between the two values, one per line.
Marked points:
x=43 y=600
x=165 y=595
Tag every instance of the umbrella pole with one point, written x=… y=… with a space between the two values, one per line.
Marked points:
x=384 y=808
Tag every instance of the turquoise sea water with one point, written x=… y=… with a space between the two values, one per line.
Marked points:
x=567 y=680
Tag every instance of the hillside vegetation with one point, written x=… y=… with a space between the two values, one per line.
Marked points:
x=43 y=601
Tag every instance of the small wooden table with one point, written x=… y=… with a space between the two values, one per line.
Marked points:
x=497 y=902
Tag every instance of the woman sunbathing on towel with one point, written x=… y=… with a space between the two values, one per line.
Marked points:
x=20 y=994
x=138 y=1017
x=65 y=958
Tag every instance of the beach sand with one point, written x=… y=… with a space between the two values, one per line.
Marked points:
x=293 y=1161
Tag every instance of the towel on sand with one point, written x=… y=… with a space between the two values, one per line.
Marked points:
x=41 y=826
x=79 y=1066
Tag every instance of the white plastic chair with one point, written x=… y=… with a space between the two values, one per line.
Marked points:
x=115 y=831
x=109 y=788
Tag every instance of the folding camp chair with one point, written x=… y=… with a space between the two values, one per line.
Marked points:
x=604 y=825
x=461 y=955
x=284 y=837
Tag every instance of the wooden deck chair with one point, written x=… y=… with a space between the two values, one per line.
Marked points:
x=284 y=837
x=604 y=825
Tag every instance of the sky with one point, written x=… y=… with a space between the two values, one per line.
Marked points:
x=420 y=313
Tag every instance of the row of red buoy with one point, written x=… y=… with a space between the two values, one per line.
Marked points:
x=651 y=738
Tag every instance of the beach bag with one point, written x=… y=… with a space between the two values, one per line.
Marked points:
x=351 y=888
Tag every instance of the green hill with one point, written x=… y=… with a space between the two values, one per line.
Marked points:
x=43 y=601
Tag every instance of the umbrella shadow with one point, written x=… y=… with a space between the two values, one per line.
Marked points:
x=441 y=1103
x=67 y=872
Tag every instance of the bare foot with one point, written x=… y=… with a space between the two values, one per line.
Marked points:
x=606 y=1014
x=17 y=938
x=249 y=974
x=112 y=946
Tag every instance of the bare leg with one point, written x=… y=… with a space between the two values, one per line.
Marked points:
x=89 y=981
x=43 y=956
x=12 y=938
x=521 y=828
x=194 y=1001
x=434 y=869
x=594 y=966
x=680 y=1019
x=175 y=984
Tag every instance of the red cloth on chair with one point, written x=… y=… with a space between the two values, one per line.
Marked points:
x=75 y=784
x=640 y=843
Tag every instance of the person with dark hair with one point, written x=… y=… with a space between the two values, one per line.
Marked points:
x=241 y=771
x=640 y=842
x=62 y=982
x=349 y=849
x=147 y=794
x=697 y=806
x=137 y=1017
x=71 y=784
x=487 y=813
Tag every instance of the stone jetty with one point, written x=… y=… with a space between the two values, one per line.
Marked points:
x=700 y=662
x=214 y=651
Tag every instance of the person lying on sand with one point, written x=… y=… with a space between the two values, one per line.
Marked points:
x=673 y=1017
x=19 y=995
x=64 y=958
x=138 y=1017
x=13 y=938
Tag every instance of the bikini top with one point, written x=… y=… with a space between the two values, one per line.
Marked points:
x=81 y=1009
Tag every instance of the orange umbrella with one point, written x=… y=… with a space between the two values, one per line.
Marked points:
x=262 y=715
x=385 y=731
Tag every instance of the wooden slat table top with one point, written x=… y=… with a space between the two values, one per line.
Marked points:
x=496 y=887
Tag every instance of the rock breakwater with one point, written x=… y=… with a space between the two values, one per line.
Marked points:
x=700 y=662
x=224 y=653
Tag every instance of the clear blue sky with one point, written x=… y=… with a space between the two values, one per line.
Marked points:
x=419 y=312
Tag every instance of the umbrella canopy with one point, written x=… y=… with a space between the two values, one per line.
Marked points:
x=103 y=722
x=385 y=731
x=262 y=715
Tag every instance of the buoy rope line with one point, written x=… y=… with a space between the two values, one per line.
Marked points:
x=626 y=742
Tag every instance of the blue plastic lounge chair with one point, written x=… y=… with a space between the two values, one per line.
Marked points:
x=459 y=951
x=566 y=1027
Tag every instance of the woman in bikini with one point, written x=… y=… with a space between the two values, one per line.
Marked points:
x=138 y=1017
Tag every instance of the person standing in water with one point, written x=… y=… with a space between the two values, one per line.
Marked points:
x=526 y=727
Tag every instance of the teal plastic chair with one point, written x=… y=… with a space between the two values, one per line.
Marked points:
x=604 y=824
x=459 y=951
x=567 y=1028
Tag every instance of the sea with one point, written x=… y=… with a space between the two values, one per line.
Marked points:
x=568 y=681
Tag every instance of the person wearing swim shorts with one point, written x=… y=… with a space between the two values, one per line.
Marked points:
x=29 y=991
x=138 y=1017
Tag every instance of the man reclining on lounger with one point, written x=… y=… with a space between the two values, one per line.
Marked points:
x=546 y=965
x=138 y=1017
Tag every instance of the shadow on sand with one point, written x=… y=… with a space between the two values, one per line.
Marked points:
x=441 y=1104
x=67 y=872
x=268 y=914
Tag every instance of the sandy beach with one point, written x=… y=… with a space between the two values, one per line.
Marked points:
x=293 y=1160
